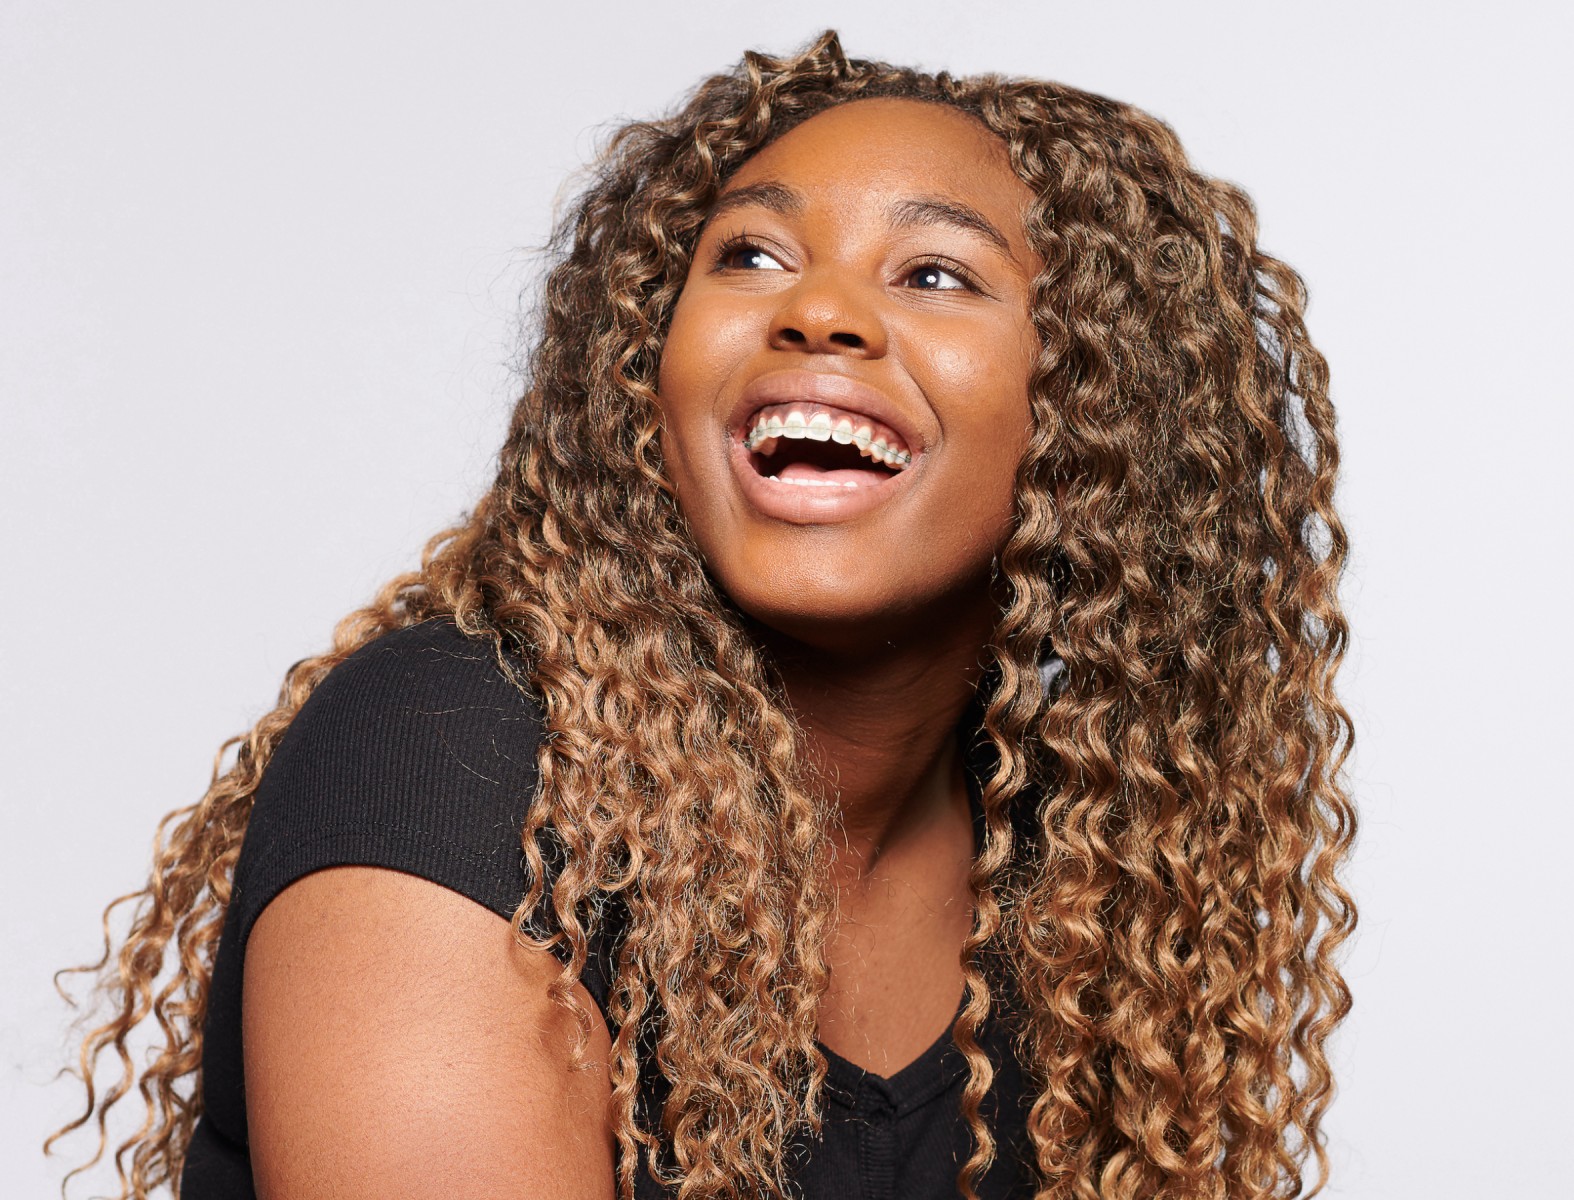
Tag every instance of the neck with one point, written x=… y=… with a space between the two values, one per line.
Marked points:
x=880 y=731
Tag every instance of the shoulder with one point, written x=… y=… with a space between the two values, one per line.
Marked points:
x=417 y=752
x=426 y=680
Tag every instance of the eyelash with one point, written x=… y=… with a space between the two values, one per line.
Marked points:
x=746 y=241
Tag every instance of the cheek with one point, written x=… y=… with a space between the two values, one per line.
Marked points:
x=986 y=416
x=685 y=381
x=681 y=366
x=960 y=366
x=707 y=336
x=993 y=472
x=987 y=423
x=707 y=341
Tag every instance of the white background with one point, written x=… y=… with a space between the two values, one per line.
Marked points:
x=258 y=301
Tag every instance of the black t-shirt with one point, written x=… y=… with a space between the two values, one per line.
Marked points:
x=417 y=754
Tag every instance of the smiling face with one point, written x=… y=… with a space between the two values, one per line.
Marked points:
x=844 y=384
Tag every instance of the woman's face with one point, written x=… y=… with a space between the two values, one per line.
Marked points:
x=844 y=385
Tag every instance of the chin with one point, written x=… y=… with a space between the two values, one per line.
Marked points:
x=853 y=608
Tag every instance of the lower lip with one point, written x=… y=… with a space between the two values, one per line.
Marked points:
x=810 y=504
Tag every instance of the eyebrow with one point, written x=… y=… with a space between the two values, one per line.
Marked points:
x=919 y=210
x=932 y=210
x=777 y=197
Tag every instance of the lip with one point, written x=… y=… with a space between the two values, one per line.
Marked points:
x=838 y=391
x=803 y=505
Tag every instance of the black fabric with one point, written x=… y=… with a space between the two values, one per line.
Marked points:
x=419 y=755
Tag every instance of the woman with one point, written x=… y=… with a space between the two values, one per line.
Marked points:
x=893 y=665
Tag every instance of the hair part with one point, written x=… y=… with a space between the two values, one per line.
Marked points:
x=1168 y=922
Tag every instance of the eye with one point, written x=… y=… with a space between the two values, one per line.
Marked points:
x=932 y=277
x=740 y=254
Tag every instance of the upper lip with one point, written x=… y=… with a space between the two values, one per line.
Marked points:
x=839 y=391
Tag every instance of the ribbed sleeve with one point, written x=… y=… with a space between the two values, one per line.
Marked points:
x=416 y=753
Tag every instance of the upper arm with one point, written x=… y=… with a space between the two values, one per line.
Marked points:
x=399 y=1042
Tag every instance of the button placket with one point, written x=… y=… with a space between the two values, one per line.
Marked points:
x=876 y=1115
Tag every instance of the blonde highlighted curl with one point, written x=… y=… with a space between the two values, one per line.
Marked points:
x=1169 y=929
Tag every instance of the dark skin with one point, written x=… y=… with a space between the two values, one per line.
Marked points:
x=879 y=651
x=382 y=1012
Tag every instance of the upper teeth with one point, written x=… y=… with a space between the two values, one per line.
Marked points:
x=875 y=442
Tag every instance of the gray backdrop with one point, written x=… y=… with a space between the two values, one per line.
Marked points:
x=258 y=301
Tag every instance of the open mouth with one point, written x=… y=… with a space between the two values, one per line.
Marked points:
x=818 y=445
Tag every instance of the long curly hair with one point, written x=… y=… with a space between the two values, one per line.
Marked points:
x=1167 y=925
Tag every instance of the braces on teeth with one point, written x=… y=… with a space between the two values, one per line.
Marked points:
x=820 y=428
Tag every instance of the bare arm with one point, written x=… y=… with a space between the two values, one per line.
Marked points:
x=399 y=1043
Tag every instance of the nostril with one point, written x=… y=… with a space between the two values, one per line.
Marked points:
x=789 y=336
x=797 y=337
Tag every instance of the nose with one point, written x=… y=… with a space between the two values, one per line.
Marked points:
x=825 y=314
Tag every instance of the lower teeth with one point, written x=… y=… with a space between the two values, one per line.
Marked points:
x=812 y=482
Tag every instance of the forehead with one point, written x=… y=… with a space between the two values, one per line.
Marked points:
x=876 y=150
